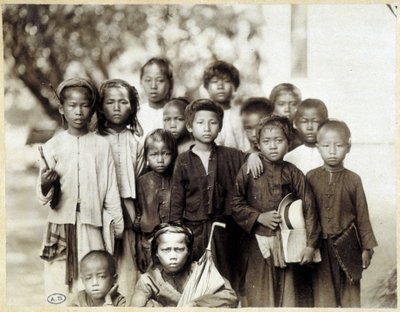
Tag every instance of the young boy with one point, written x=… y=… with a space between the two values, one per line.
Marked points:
x=221 y=80
x=251 y=112
x=98 y=274
x=309 y=115
x=174 y=121
x=164 y=283
x=202 y=184
x=269 y=281
x=340 y=202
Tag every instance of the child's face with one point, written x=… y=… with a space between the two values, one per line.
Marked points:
x=116 y=106
x=333 y=147
x=174 y=121
x=250 y=122
x=155 y=84
x=205 y=127
x=308 y=123
x=172 y=251
x=220 y=89
x=285 y=105
x=273 y=143
x=96 y=278
x=76 y=110
x=159 y=156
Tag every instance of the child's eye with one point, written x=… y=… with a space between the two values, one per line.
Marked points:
x=167 y=119
x=181 y=119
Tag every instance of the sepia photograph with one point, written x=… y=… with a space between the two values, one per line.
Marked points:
x=225 y=155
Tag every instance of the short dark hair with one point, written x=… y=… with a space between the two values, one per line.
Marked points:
x=312 y=103
x=165 y=67
x=133 y=100
x=206 y=105
x=220 y=69
x=280 y=122
x=180 y=102
x=333 y=124
x=166 y=137
x=103 y=254
x=258 y=105
x=284 y=87
x=171 y=227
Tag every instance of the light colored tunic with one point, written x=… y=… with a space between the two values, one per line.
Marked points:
x=150 y=118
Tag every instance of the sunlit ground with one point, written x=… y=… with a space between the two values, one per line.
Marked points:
x=26 y=220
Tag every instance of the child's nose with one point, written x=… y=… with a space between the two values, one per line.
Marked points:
x=95 y=281
x=309 y=126
x=117 y=107
x=332 y=149
x=160 y=159
x=207 y=126
x=153 y=84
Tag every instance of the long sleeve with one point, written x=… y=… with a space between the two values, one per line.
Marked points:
x=362 y=219
x=224 y=297
x=303 y=190
x=140 y=159
x=143 y=292
x=245 y=215
x=112 y=200
x=178 y=199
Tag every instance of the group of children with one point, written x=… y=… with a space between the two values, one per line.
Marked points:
x=135 y=200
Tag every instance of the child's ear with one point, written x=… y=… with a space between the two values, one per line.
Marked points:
x=115 y=278
x=189 y=129
x=348 y=147
x=61 y=109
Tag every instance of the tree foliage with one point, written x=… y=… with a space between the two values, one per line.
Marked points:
x=41 y=42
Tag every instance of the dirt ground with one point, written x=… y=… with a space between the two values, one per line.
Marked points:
x=26 y=221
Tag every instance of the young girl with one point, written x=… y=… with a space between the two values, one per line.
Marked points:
x=174 y=121
x=286 y=97
x=82 y=163
x=164 y=283
x=116 y=114
x=269 y=281
x=154 y=188
x=157 y=81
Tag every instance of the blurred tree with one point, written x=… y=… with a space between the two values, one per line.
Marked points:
x=42 y=41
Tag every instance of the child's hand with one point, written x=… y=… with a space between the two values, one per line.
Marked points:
x=307 y=255
x=47 y=178
x=254 y=165
x=366 y=257
x=111 y=292
x=270 y=219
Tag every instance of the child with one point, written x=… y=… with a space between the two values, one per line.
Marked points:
x=309 y=115
x=221 y=81
x=83 y=163
x=202 y=183
x=340 y=201
x=251 y=112
x=99 y=276
x=269 y=282
x=116 y=117
x=174 y=121
x=154 y=189
x=164 y=282
x=157 y=81
x=285 y=98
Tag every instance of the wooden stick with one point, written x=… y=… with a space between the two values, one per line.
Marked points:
x=42 y=155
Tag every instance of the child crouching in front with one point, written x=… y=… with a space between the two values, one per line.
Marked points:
x=99 y=276
x=164 y=283
x=341 y=205
x=269 y=281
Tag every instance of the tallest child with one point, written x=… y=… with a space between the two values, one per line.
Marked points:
x=82 y=161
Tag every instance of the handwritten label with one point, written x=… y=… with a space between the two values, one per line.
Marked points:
x=56 y=298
